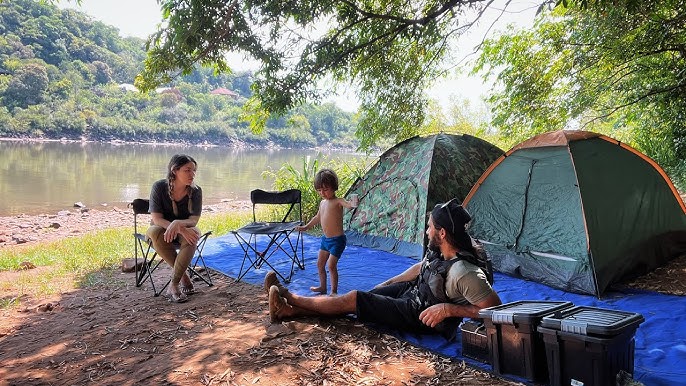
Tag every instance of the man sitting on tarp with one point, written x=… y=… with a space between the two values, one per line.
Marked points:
x=431 y=296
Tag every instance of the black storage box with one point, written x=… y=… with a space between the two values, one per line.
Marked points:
x=588 y=346
x=475 y=341
x=514 y=345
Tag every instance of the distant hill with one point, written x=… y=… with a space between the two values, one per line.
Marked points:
x=65 y=75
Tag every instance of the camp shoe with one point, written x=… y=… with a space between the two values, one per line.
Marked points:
x=272 y=280
x=276 y=303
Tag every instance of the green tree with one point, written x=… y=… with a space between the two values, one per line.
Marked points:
x=391 y=51
x=616 y=72
x=28 y=86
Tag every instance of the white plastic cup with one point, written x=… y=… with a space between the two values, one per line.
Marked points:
x=354 y=200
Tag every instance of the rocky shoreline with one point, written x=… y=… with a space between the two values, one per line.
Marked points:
x=26 y=229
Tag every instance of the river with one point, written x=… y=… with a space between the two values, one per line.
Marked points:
x=46 y=177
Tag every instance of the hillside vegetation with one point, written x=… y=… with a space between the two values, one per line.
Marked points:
x=65 y=75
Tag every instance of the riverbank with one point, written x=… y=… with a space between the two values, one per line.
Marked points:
x=25 y=229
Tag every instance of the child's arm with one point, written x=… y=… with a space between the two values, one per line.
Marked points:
x=314 y=221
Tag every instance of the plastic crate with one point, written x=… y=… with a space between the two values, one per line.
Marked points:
x=475 y=341
x=514 y=344
x=588 y=346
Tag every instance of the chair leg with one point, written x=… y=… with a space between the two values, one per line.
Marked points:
x=193 y=268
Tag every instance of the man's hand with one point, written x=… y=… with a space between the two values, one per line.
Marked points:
x=434 y=314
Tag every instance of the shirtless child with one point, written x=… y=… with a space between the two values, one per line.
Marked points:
x=330 y=216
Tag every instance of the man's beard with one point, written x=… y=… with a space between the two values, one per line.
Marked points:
x=435 y=244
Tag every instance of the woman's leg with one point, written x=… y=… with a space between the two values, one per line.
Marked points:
x=183 y=260
x=167 y=251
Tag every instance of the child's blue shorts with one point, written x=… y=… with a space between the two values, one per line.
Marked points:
x=334 y=245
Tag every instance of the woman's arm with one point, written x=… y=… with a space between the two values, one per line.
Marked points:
x=177 y=227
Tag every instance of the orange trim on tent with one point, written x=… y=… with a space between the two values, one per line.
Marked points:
x=484 y=176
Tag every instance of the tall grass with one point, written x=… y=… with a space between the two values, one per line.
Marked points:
x=72 y=262
x=302 y=177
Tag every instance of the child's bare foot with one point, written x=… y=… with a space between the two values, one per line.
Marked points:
x=318 y=290
x=333 y=294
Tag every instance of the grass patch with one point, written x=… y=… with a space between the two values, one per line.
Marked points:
x=79 y=262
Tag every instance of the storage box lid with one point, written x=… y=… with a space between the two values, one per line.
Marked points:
x=592 y=321
x=523 y=311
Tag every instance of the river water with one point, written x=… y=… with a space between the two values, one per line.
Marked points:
x=46 y=177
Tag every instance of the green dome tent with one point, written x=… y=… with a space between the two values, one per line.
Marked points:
x=578 y=211
x=406 y=182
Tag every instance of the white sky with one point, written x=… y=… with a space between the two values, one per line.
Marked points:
x=140 y=18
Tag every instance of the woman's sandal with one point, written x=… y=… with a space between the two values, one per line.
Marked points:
x=180 y=298
x=187 y=290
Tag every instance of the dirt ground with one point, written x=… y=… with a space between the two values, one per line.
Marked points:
x=114 y=333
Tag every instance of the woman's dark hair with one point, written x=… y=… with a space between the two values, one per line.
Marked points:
x=175 y=163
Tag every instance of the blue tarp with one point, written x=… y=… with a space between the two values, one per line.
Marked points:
x=660 y=353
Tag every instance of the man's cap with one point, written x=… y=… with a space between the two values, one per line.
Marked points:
x=451 y=216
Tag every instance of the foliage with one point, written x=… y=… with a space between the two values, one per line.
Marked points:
x=389 y=51
x=63 y=75
x=302 y=178
x=619 y=71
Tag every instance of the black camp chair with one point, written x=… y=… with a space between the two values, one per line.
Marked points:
x=273 y=235
x=150 y=261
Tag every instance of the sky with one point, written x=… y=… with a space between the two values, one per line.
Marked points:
x=140 y=18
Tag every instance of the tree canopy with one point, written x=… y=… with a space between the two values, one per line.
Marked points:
x=390 y=51
x=620 y=71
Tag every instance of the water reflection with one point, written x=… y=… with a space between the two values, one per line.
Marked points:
x=46 y=177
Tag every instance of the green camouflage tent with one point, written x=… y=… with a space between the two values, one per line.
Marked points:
x=406 y=182
x=578 y=211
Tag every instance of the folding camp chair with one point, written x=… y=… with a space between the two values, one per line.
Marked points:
x=150 y=260
x=276 y=235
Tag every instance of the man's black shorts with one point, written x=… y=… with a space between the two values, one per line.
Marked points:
x=393 y=306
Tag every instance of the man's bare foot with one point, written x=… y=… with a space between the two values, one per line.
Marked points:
x=319 y=290
x=333 y=294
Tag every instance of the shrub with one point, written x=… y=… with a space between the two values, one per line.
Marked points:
x=302 y=178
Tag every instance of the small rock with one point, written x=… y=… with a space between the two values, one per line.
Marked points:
x=79 y=205
x=20 y=240
x=103 y=204
x=26 y=265
x=45 y=307
x=55 y=225
x=84 y=210
x=63 y=213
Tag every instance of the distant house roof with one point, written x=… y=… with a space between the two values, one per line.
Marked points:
x=224 y=91
x=127 y=87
